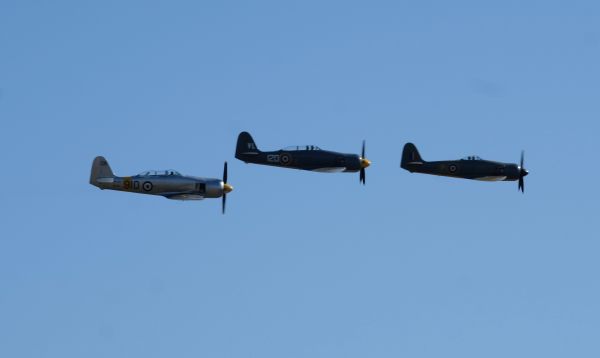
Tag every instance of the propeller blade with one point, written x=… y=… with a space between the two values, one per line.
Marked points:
x=363 y=174
x=522 y=173
x=224 y=200
x=522 y=185
x=363 y=150
x=522 y=158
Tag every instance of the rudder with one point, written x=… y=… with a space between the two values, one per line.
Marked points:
x=245 y=145
x=410 y=155
x=100 y=169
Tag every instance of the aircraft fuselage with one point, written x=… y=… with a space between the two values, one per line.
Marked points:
x=313 y=160
x=484 y=170
x=180 y=187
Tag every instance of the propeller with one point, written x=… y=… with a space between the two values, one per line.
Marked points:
x=364 y=163
x=226 y=188
x=522 y=173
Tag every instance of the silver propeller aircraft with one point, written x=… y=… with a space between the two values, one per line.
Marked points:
x=167 y=183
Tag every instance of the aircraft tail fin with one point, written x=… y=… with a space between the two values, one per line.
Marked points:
x=100 y=169
x=410 y=155
x=245 y=146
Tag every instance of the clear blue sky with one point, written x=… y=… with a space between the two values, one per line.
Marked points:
x=303 y=264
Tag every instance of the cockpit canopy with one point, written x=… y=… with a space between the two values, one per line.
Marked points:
x=301 y=147
x=153 y=173
x=471 y=157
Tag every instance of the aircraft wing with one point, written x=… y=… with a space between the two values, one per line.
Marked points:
x=183 y=196
x=330 y=170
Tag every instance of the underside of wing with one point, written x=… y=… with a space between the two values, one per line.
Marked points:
x=183 y=196
x=492 y=178
x=330 y=170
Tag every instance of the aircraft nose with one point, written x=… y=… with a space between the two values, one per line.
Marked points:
x=227 y=188
x=364 y=163
x=525 y=172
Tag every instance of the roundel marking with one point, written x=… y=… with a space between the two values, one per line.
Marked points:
x=285 y=159
x=147 y=186
x=452 y=168
x=127 y=183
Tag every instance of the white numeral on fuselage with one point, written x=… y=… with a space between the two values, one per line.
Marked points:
x=273 y=158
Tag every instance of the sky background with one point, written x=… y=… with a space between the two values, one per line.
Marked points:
x=303 y=264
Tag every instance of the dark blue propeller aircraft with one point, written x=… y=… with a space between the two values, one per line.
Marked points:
x=306 y=157
x=471 y=167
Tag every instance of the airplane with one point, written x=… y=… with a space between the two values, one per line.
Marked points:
x=471 y=167
x=308 y=157
x=167 y=183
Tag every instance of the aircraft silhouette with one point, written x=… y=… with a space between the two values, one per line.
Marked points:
x=167 y=183
x=307 y=157
x=471 y=167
